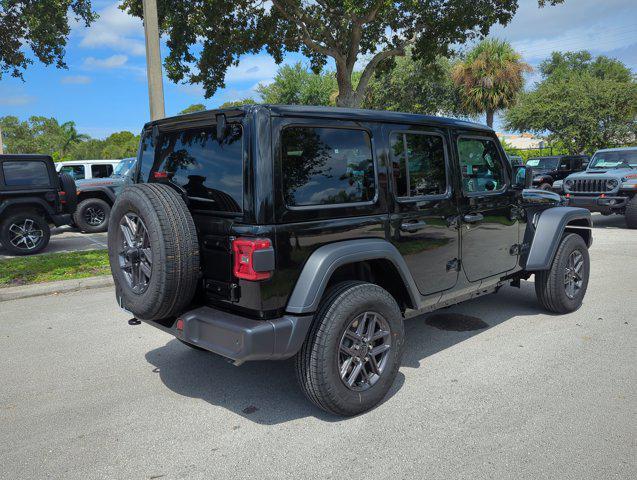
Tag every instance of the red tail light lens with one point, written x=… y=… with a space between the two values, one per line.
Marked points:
x=160 y=175
x=243 y=249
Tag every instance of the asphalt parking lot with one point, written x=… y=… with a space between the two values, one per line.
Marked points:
x=515 y=393
x=68 y=239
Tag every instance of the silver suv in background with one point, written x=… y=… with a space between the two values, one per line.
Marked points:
x=608 y=185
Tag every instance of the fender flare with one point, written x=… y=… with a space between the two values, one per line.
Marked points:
x=319 y=268
x=27 y=201
x=548 y=234
x=105 y=190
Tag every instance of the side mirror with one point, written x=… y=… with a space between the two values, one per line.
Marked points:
x=522 y=177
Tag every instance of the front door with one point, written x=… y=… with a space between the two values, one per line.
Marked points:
x=488 y=218
x=423 y=212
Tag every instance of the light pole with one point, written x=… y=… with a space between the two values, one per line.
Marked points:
x=1 y=149
x=153 y=60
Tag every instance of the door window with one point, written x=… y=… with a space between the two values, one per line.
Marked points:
x=76 y=171
x=25 y=174
x=480 y=164
x=327 y=166
x=418 y=164
x=101 y=171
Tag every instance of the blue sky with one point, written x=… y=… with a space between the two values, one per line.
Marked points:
x=104 y=90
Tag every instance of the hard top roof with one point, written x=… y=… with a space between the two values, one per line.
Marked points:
x=337 y=113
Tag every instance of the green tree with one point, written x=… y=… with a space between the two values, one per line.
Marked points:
x=37 y=29
x=89 y=150
x=411 y=85
x=197 y=107
x=584 y=106
x=297 y=85
x=491 y=78
x=238 y=103
x=69 y=137
x=120 y=145
x=345 y=31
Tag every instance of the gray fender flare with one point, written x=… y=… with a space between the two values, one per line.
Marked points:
x=27 y=201
x=548 y=234
x=105 y=190
x=325 y=260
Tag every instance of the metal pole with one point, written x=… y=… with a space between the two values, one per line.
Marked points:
x=153 y=60
x=1 y=148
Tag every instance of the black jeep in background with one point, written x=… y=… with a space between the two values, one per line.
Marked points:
x=32 y=196
x=270 y=232
x=96 y=196
x=547 y=170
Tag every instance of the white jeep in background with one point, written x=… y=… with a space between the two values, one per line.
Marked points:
x=85 y=169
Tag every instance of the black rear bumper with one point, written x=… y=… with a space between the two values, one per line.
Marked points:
x=239 y=338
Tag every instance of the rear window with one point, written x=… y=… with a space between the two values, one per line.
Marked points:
x=210 y=172
x=101 y=170
x=326 y=166
x=25 y=174
x=76 y=171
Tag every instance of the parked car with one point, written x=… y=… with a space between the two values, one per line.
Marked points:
x=96 y=197
x=86 y=169
x=32 y=197
x=547 y=170
x=270 y=232
x=608 y=186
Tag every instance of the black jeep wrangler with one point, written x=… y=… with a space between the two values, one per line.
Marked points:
x=546 y=170
x=270 y=232
x=32 y=196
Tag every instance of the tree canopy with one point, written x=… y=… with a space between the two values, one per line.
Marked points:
x=62 y=141
x=296 y=85
x=205 y=37
x=583 y=103
x=41 y=27
x=195 y=107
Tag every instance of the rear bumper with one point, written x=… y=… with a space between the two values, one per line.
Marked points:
x=597 y=204
x=239 y=338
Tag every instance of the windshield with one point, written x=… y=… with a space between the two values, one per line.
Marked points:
x=543 y=163
x=123 y=167
x=615 y=159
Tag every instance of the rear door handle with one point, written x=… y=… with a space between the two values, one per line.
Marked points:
x=473 y=218
x=412 y=227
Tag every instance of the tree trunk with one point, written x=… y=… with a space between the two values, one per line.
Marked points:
x=490 y=118
x=347 y=96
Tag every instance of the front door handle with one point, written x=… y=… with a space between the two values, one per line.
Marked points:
x=412 y=227
x=473 y=217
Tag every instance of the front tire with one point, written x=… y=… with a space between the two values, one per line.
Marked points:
x=91 y=215
x=353 y=351
x=545 y=186
x=24 y=233
x=562 y=288
x=631 y=213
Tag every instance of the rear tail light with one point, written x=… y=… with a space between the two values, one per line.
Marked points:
x=160 y=175
x=62 y=196
x=245 y=264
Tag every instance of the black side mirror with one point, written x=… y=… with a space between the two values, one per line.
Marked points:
x=522 y=177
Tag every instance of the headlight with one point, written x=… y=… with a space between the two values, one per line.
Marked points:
x=568 y=183
x=611 y=184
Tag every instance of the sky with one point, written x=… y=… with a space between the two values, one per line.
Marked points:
x=104 y=89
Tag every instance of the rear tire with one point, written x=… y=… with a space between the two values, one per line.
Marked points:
x=92 y=215
x=545 y=186
x=557 y=289
x=322 y=357
x=24 y=233
x=153 y=251
x=631 y=213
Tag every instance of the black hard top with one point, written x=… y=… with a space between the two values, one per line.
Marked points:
x=25 y=156
x=336 y=113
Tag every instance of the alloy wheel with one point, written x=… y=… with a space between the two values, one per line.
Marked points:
x=364 y=351
x=135 y=256
x=573 y=274
x=26 y=235
x=94 y=216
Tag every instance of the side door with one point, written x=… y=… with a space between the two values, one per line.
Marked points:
x=423 y=219
x=489 y=222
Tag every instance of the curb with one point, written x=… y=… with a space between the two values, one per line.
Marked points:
x=53 y=288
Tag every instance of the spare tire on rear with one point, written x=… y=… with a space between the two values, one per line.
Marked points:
x=69 y=188
x=153 y=251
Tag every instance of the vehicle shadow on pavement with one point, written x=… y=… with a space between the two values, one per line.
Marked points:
x=267 y=392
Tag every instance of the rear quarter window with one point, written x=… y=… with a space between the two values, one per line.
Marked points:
x=25 y=174
x=326 y=166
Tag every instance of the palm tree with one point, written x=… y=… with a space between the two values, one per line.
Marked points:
x=70 y=137
x=490 y=77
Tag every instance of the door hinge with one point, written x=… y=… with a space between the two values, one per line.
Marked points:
x=453 y=265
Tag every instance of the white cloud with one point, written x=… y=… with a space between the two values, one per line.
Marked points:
x=258 y=67
x=114 y=61
x=115 y=30
x=16 y=100
x=76 y=80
